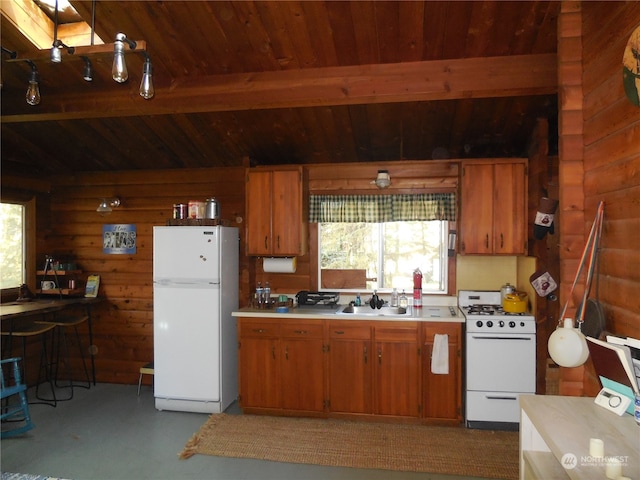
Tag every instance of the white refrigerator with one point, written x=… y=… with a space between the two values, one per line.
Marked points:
x=195 y=289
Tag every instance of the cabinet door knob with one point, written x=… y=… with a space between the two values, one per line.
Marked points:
x=380 y=355
x=365 y=354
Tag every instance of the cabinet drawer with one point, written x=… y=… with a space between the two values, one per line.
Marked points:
x=396 y=332
x=451 y=329
x=301 y=330
x=349 y=331
x=250 y=328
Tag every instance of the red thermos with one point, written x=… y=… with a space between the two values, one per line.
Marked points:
x=417 y=288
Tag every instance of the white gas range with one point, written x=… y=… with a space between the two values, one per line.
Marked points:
x=500 y=360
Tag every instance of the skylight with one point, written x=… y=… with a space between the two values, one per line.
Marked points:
x=66 y=12
x=34 y=18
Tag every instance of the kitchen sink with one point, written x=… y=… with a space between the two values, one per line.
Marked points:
x=367 y=310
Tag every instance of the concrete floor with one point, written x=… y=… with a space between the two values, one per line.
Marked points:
x=110 y=433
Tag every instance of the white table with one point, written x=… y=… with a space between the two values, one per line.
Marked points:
x=555 y=433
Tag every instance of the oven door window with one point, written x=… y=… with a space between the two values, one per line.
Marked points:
x=501 y=363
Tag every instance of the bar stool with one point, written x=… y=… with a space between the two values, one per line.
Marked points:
x=26 y=331
x=60 y=348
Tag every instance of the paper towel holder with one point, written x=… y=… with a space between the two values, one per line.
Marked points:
x=279 y=264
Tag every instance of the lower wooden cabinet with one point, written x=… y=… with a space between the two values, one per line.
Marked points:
x=348 y=368
x=281 y=365
x=259 y=360
x=442 y=394
x=350 y=362
x=301 y=370
x=397 y=369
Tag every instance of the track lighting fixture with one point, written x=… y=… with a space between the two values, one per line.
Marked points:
x=107 y=205
x=33 y=89
x=146 y=85
x=119 y=69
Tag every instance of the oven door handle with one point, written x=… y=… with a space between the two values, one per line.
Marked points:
x=501 y=338
x=492 y=397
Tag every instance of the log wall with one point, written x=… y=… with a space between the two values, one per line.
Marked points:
x=612 y=160
x=123 y=323
x=599 y=161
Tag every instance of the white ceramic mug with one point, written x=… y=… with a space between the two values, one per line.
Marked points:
x=48 y=285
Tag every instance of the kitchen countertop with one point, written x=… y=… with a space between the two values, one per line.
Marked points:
x=424 y=314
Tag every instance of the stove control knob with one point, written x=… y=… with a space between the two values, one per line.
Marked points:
x=501 y=323
x=522 y=324
x=479 y=323
x=512 y=324
x=489 y=323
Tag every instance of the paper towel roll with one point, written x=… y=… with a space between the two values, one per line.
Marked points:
x=279 y=265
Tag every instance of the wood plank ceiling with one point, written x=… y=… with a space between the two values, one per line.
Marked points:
x=287 y=82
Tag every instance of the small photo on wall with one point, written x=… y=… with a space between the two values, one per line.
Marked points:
x=119 y=239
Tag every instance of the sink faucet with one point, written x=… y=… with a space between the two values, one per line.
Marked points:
x=376 y=302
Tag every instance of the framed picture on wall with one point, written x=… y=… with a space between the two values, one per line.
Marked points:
x=119 y=239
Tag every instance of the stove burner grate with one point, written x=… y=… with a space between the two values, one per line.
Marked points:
x=482 y=309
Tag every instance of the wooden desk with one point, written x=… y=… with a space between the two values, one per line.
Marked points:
x=15 y=310
x=555 y=433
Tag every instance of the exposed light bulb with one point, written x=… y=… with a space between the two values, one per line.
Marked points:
x=87 y=73
x=33 y=93
x=146 y=85
x=119 y=69
x=33 y=89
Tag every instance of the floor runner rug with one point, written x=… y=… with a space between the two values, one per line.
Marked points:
x=414 y=448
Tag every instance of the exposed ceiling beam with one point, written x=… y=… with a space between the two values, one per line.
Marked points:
x=352 y=85
x=79 y=51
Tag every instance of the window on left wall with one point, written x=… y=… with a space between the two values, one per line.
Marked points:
x=12 y=248
x=17 y=255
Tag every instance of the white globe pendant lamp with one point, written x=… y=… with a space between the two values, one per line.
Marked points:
x=568 y=346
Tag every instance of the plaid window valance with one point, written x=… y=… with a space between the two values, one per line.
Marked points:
x=382 y=208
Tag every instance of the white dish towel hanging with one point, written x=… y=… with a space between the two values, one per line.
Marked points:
x=440 y=354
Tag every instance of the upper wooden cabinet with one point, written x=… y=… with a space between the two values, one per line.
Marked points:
x=493 y=217
x=275 y=211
